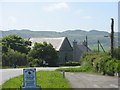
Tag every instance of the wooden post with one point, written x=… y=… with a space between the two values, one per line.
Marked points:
x=87 y=43
x=63 y=74
x=112 y=37
x=98 y=46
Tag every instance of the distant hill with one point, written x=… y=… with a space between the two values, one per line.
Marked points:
x=78 y=35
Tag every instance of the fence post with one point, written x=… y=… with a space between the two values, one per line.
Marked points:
x=63 y=72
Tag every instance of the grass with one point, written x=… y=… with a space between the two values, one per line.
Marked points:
x=79 y=69
x=76 y=69
x=46 y=79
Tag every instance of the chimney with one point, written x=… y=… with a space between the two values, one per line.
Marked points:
x=74 y=44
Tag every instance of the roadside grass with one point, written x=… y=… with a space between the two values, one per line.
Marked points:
x=46 y=79
x=75 y=69
x=78 y=69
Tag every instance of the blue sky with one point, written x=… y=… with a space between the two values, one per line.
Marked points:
x=58 y=16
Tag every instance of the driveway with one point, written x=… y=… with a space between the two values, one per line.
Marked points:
x=85 y=80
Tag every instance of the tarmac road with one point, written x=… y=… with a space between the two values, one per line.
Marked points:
x=77 y=80
x=85 y=80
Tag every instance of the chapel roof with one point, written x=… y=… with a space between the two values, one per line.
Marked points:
x=56 y=42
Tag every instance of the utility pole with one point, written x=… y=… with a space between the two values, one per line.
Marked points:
x=87 y=43
x=112 y=37
x=98 y=46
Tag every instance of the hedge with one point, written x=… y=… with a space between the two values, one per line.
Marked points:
x=100 y=62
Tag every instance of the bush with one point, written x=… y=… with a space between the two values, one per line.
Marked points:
x=35 y=63
x=100 y=62
x=117 y=53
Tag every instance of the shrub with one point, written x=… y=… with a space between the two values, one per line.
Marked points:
x=35 y=63
x=117 y=53
x=100 y=62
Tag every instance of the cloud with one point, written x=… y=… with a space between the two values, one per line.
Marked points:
x=57 y=6
x=87 y=17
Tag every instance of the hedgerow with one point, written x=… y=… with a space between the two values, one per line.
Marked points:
x=100 y=62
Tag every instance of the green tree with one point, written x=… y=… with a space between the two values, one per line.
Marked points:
x=14 y=57
x=16 y=43
x=44 y=52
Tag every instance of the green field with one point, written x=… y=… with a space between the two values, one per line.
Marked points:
x=46 y=79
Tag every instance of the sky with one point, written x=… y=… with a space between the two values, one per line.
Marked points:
x=58 y=16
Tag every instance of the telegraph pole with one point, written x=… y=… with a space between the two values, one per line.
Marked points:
x=98 y=46
x=87 y=43
x=112 y=37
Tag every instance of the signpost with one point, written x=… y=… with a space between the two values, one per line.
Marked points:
x=30 y=80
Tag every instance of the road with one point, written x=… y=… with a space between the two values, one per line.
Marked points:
x=77 y=80
x=6 y=74
x=85 y=80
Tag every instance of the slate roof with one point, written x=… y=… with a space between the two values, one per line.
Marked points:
x=56 y=42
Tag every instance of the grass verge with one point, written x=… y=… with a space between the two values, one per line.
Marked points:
x=46 y=79
x=76 y=69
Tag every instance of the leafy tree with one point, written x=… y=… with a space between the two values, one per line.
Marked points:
x=16 y=43
x=14 y=57
x=44 y=52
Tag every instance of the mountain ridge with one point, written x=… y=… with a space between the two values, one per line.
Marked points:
x=78 y=35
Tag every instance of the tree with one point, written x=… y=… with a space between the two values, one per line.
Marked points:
x=44 y=52
x=14 y=57
x=16 y=43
